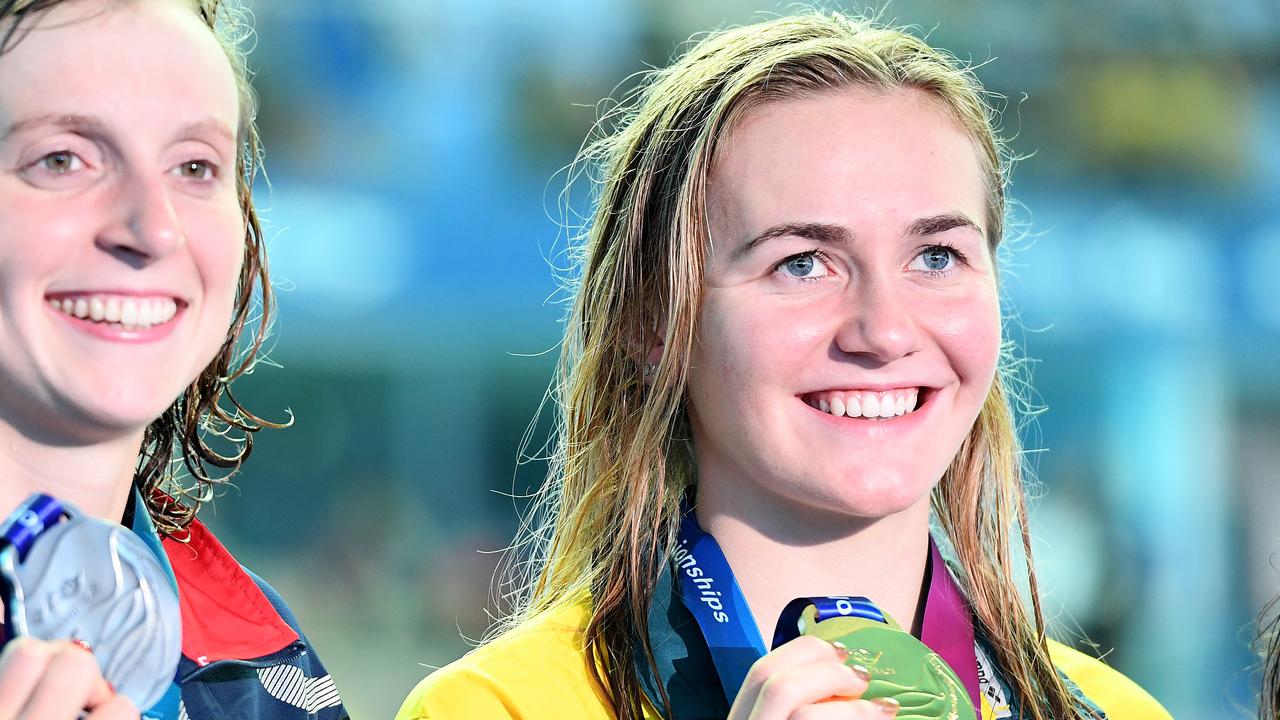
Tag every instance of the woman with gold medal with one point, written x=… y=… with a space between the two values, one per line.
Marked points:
x=784 y=364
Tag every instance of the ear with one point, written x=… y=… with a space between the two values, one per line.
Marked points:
x=649 y=354
x=650 y=368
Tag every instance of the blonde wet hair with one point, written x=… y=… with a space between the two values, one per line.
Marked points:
x=604 y=522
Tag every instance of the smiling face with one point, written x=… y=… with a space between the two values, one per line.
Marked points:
x=850 y=328
x=123 y=235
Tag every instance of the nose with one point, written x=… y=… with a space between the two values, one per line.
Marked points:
x=879 y=323
x=146 y=227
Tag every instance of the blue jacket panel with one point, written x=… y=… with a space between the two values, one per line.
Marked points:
x=291 y=684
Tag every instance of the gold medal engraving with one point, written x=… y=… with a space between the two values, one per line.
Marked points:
x=901 y=666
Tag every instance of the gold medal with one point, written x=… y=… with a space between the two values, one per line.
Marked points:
x=901 y=667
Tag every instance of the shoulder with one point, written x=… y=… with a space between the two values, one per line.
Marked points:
x=536 y=670
x=1116 y=695
x=273 y=597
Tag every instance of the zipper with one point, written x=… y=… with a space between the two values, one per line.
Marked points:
x=288 y=655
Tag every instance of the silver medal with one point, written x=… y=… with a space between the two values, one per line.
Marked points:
x=99 y=582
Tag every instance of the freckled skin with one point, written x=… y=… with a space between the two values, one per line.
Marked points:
x=871 y=163
x=121 y=219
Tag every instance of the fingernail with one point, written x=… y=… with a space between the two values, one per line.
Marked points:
x=889 y=706
x=863 y=673
x=82 y=645
x=841 y=649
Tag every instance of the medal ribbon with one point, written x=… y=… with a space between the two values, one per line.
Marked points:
x=710 y=592
x=26 y=523
x=167 y=707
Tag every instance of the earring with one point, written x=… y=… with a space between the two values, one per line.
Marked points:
x=650 y=369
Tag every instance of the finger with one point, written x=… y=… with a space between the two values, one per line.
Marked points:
x=22 y=664
x=100 y=693
x=848 y=710
x=117 y=707
x=800 y=651
x=786 y=691
x=803 y=649
x=64 y=689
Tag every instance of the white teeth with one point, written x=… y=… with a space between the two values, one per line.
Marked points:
x=132 y=312
x=854 y=408
x=871 y=405
x=888 y=407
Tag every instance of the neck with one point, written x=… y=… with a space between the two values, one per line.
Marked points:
x=786 y=552
x=95 y=477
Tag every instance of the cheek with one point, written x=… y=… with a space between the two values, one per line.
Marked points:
x=220 y=257
x=970 y=333
x=746 y=344
x=40 y=238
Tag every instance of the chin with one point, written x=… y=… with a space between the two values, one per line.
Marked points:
x=114 y=413
x=875 y=493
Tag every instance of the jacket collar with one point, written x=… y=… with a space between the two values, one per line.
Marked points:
x=225 y=615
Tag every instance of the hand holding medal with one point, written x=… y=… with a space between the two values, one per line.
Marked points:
x=808 y=679
x=55 y=680
x=94 y=619
x=897 y=665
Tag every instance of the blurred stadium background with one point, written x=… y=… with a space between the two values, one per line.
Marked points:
x=414 y=151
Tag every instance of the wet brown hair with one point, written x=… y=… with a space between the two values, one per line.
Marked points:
x=181 y=438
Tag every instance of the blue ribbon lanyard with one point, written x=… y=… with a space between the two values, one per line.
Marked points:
x=167 y=707
x=710 y=592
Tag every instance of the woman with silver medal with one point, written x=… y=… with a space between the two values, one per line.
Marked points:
x=129 y=256
x=782 y=363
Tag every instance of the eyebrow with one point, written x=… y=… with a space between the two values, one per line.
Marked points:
x=95 y=127
x=830 y=234
x=824 y=233
x=65 y=121
x=215 y=127
x=941 y=223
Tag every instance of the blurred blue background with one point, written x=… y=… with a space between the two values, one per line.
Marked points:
x=414 y=152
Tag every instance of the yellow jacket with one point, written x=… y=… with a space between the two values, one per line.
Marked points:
x=539 y=672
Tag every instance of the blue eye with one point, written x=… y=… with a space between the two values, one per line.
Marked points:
x=937 y=260
x=805 y=266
